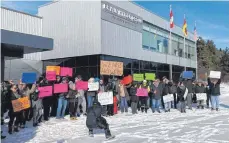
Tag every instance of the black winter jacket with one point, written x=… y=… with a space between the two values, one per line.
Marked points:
x=133 y=96
x=214 y=89
x=93 y=115
x=189 y=86
x=181 y=92
x=200 y=89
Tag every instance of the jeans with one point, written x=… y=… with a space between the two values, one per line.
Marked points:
x=62 y=104
x=189 y=100
x=90 y=100
x=124 y=104
x=182 y=106
x=215 y=101
x=167 y=106
x=155 y=104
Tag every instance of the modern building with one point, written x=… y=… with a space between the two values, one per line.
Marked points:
x=85 y=32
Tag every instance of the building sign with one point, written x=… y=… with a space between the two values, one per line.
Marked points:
x=120 y=16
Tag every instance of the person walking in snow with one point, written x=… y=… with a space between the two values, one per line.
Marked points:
x=95 y=120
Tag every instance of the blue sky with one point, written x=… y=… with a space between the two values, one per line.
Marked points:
x=212 y=18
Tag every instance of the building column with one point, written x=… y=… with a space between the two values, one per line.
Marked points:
x=171 y=72
x=2 y=67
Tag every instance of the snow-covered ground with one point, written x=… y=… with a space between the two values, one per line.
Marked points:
x=202 y=126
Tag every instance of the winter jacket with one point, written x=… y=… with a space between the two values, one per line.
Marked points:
x=158 y=90
x=72 y=95
x=214 y=89
x=165 y=90
x=27 y=92
x=126 y=93
x=93 y=114
x=200 y=89
x=181 y=92
x=189 y=85
x=12 y=96
x=133 y=96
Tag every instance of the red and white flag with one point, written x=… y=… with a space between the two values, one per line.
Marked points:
x=171 y=17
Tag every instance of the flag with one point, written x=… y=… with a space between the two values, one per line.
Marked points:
x=171 y=17
x=184 y=29
x=195 y=32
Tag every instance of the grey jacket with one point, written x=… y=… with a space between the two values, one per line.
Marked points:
x=158 y=90
x=126 y=93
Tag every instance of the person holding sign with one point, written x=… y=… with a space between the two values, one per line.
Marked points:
x=157 y=94
x=165 y=91
x=73 y=101
x=199 y=88
x=190 y=86
x=13 y=95
x=181 y=93
x=214 y=85
x=62 y=101
x=91 y=94
x=124 y=97
x=25 y=91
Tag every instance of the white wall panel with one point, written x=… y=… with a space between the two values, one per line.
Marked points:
x=20 y=22
x=75 y=27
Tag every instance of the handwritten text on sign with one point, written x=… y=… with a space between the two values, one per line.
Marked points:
x=93 y=86
x=201 y=96
x=21 y=104
x=45 y=91
x=111 y=68
x=168 y=98
x=105 y=98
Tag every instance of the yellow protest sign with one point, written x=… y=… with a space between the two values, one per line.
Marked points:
x=21 y=104
x=53 y=68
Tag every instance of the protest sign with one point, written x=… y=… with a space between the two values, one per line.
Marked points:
x=168 y=98
x=150 y=76
x=53 y=68
x=65 y=71
x=105 y=98
x=186 y=93
x=21 y=104
x=82 y=85
x=142 y=92
x=111 y=68
x=201 y=96
x=215 y=74
x=29 y=77
x=94 y=86
x=45 y=91
x=138 y=77
x=203 y=76
x=51 y=75
x=187 y=74
x=127 y=80
x=60 y=88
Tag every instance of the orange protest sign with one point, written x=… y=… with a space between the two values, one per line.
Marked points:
x=127 y=80
x=111 y=68
x=53 y=68
x=21 y=104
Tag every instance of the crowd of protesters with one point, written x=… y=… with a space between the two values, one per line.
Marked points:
x=77 y=102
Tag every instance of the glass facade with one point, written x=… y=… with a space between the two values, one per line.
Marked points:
x=156 y=39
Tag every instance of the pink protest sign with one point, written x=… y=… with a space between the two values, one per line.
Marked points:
x=65 y=71
x=60 y=88
x=82 y=85
x=51 y=75
x=45 y=91
x=142 y=92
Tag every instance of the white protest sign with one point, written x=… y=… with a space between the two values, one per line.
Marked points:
x=215 y=74
x=201 y=96
x=168 y=98
x=186 y=93
x=105 y=98
x=93 y=86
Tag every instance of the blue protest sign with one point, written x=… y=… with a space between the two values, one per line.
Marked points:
x=29 y=77
x=187 y=74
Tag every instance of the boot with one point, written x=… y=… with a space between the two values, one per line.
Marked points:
x=107 y=133
x=16 y=129
x=202 y=107
x=10 y=130
x=217 y=109
x=91 y=133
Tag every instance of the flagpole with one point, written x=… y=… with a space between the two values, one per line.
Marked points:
x=184 y=49
x=196 y=38
x=170 y=48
